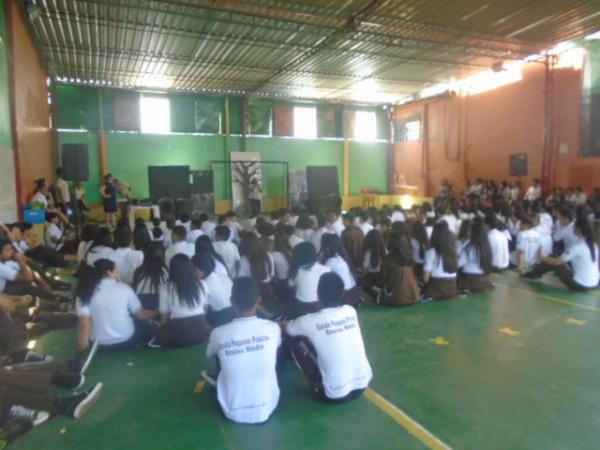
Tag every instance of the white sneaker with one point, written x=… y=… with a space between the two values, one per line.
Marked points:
x=36 y=417
x=209 y=379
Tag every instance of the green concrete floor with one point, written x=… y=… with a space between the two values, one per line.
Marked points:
x=516 y=368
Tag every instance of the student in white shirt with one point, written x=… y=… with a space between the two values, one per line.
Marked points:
x=564 y=232
x=363 y=223
x=205 y=245
x=101 y=248
x=534 y=192
x=282 y=252
x=419 y=243
x=334 y=256
x=334 y=223
x=303 y=277
x=150 y=276
x=397 y=215
x=246 y=348
x=208 y=226
x=374 y=252
x=169 y=225
x=529 y=247
x=54 y=235
x=218 y=290
x=400 y=286
x=579 y=197
x=293 y=240
x=186 y=223
x=328 y=345
x=577 y=267
x=255 y=262
x=441 y=265
x=498 y=243
x=62 y=189
x=182 y=303
x=195 y=230
x=179 y=244
x=107 y=308
x=126 y=259
x=475 y=260
x=226 y=249
x=88 y=234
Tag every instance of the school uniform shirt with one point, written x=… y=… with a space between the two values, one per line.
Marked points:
x=533 y=193
x=82 y=250
x=585 y=269
x=167 y=237
x=38 y=197
x=110 y=310
x=193 y=235
x=9 y=271
x=547 y=244
x=368 y=264
x=220 y=267
x=305 y=235
x=514 y=193
x=546 y=221
x=247 y=387
x=218 y=290
x=63 y=190
x=183 y=247
x=579 y=199
x=397 y=216
x=429 y=231
x=434 y=265
x=337 y=227
x=187 y=225
x=169 y=303
x=244 y=269
x=566 y=233
x=452 y=221
x=98 y=252
x=339 y=265
x=208 y=227
x=294 y=240
x=500 y=250
x=529 y=242
x=53 y=231
x=341 y=357
x=315 y=239
x=307 y=281
x=230 y=254
x=365 y=227
x=416 y=251
x=469 y=260
x=281 y=266
x=127 y=260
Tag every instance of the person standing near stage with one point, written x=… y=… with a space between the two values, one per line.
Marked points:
x=109 y=195
x=255 y=196
x=62 y=190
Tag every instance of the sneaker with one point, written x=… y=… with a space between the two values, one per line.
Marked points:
x=14 y=428
x=210 y=379
x=36 y=417
x=426 y=299
x=29 y=359
x=69 y=380
x=154 y=343
x=85 y=357
x=78 y=405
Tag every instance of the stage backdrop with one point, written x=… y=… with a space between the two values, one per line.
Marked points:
x=242 y=173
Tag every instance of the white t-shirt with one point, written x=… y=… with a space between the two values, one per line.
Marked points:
x=341 y=357
x=110 y=311
x=566 y=233
x=337 y=227
x=9 y=271
x=546 y=221
x=585 y=269
x=53 y=231
x=416 y=251
x=547 y=243
x=307 y=281
x=247 y=387
x=127 y=260
x=230 y=254
x=515 y=192
x=470 y=260
x=315 y=238
x=208 y=227
x=98 y=252
x=168 y=302
x=579 y=199
x=38 y=197
x=281 y=264
x=452 y=221
x=193 y=235
x=182 y=247
x=533 y=193
x=530 y=242
x=244 y=270
x=397 y=216
x=434 y=265
x=218 y=288
x=365 y=227
x=500 y=250
x=294 y=240
x=338 y=265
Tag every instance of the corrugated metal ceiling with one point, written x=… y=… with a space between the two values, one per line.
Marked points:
x=338 y=50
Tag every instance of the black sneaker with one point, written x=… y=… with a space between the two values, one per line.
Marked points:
x=79 y=404
x=210 y=379
x=85 y=357
x=69 y=380
x=154 y=343
x=14 y=428
x=36 y=417
x=28 y=359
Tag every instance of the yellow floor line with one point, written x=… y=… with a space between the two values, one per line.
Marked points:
x=406 y=421
x=549 y=297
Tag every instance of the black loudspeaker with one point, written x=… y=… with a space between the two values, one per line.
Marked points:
x=202 y=182
x=517 y=165
x=76 y=162
x=169 y=181
x=167 y=208
x=184 y=206
x=322 y=182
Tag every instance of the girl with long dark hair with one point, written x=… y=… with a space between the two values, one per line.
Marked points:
x=577 y=267
x=419 y=242
x=374 y=252
x=150 y=276
x=400 y=286
x=204 y=245
x=304 y=275
x=475 y=261
x=108 y=309
x=182 y=306
x=334 y=256
x=441 y=265
x=281 y=254
x=256 y=263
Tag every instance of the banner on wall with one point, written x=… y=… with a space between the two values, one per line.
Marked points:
x=298 y=188
x=245 y=166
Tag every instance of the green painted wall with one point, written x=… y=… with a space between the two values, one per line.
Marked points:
x=368 y=166
x=5 y=126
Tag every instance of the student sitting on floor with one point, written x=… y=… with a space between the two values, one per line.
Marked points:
x=281 y=254
x=400 y=286
x=374 y=253
x=334 y=255
x=246 y=349
x=179 y=244
x=182 y=306
x=439 y=271
x=88 y=234
x=228 y=250
x=328 y=346
x=529 y=247
x=475 y=260
x=107 y=308
x=420 y=243
x=218 y=289
x=255 y=262
x=204 y=245
x=577 y=267
x=102 y=248
x=303 y=277
x=150 y=276
x=126 y=259
x=195 y=230
x=498 y=243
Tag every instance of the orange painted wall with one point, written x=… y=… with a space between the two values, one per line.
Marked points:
x=32 y=112
x=470 y=137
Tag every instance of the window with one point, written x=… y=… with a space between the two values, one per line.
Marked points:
x=408 y=129
x=365 y=126
x=155 y=115
x=305 y=122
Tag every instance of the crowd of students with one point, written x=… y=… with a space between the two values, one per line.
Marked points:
x=180 y=283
